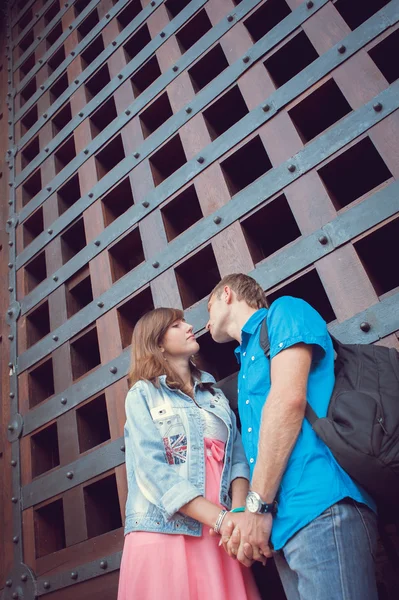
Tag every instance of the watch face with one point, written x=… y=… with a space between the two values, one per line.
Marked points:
x=252 y=503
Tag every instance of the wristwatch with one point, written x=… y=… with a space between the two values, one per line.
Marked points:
x=255 y=504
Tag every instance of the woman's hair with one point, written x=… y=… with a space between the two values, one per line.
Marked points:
x=148 y=362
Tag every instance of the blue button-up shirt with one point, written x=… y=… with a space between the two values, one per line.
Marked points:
x=313 y=480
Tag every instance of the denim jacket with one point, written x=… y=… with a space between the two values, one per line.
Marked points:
x=165 y=458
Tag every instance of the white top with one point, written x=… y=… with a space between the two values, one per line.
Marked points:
x=214 y=428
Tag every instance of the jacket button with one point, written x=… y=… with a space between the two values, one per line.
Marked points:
x=212 y=405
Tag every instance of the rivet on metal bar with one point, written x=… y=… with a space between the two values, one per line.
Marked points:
x=342 y=49
x=136 y=155
x=323 y=240
x=63 y=401
x=55 y=338
x=189 y=110
x=128 y=112
x=103 y=563
x=74 y=575
x=46 y=585
x=85 y=151
x=201 y=159
x=24 y=577
x=113 y=370
x=91 y=195
x=114 y=43
x=309 y=4
x=230 y=18
x=69 y=475
x=100 y=304
x=97 y=243
x=245 y=59
x=162 y=34
x=81 y=114
x=146 y=204
x=15 y=539
x=123 y=448
x=175 y=68
x=291 y=168
x=377 y=107
x=155 y=264
x=14 y=500
x=13 y=463
x=217 y=219
x=55 y=277
x=365 y=326
x=120 y=76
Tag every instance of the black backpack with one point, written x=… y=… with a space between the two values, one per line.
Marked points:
x=362 y=424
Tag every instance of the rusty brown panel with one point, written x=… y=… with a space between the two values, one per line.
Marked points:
x=231 y=251
x=157 y=20
x=359 y=79
x=256 y=85
x=29 y=538
x=325 y=28
x=236 y=42
x=346 y=283
x=74 y=516
x=385 y=137
x=217 y=9
x=280 y=138
x=68 y=438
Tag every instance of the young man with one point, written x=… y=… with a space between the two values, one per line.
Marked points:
x=324 y=532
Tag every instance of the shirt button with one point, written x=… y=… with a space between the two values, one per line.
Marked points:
x=243 y=376
x=244 y=353
x=251 y=460
x=252 y=358
x=249 y=429
x=280 y=345
x=246 y=401
x=211 y=406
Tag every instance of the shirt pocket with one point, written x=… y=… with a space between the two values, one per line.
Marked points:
x=258 y=375
x=173 y=433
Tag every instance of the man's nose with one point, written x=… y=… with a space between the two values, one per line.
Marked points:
x=207 y=326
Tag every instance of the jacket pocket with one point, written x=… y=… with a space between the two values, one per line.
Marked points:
x=173 y=434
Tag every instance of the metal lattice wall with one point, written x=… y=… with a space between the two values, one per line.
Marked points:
x=154 y=147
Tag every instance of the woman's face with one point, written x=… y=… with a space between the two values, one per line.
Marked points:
x=179 y=340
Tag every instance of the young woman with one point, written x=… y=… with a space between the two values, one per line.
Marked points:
x=184 y=463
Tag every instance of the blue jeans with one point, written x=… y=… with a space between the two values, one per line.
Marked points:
x=332 y=558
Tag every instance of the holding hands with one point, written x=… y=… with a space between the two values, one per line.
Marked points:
x=246 y=535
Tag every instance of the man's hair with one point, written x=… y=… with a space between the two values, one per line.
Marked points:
x=245 y=288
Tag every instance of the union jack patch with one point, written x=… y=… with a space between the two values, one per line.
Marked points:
x=176 y=449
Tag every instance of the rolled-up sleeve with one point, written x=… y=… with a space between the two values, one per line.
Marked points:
x=145 y=455
x=239 y=464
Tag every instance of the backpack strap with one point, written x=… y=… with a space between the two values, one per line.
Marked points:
x=265 y=345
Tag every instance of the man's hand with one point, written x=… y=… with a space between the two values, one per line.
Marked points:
x=253 y=545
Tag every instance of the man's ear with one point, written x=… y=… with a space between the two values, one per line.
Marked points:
x=228 y=294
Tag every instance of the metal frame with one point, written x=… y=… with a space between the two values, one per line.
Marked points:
x=280 y=98
x=273 y=181
x=296 y=257
x=23 y=33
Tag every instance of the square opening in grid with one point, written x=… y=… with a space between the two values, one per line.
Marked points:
x=80 y=5
x=92 y=424
x=245 y=165
x=26 y=41
x=49 y=528
x=270 y=228
x=68 y=194
x=376 y=251
x=181 y=213
x=355 y=12
x=318 y=111
x=102 y=506
x=29 y=120
x=136 y=43
x=103 y=116
x=309 y=287
x=131 y=311
x=193 y=288
x=217 y=359
x=354 y=173
x=126 y=254
x=208 y=67
x=33 y=226
x=29 y=152
x=190 y=33
x=384 y=53
x=117 y=201
x=35 y=272
x=290 y=59
x=51 y=12
x=145 y=76
x=174 y=7
x=92 y=51
x=79 y=292
x=37 y=324
x=225 y=112
x=41 y=383
x=31 y=187
x=44 y=450
x=26 y=66
x=73 y=240
x=25 y=20
x=87 y=25
x=98 y=82
x=155 y=115
x=85 y=353
x=61 y=119
x=65 y=154
x=28 y=91
x=266 y=17
x=59 y=87
x=127 y=15
x=168 y=159
x=57 y=58
x=54 y=35
x=110 y=156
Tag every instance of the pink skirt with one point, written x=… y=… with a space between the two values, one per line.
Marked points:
x=182 y=567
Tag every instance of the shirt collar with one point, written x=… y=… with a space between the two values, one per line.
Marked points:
x=204 y=378
x=249 y=329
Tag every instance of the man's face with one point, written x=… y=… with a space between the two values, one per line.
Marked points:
x=219 y=311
